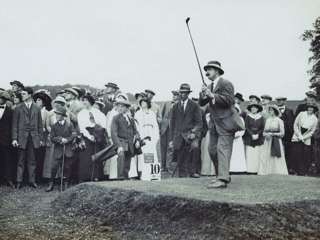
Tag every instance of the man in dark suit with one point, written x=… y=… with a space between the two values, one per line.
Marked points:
x=123 y=135
x=164 y=124
x=62 y=135
x=287 y=117
x=6 y=161
x=27 y=135
x=222 y=125
x=185 y=132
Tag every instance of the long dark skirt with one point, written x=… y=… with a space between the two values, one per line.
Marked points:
x=316 y=158
x=40 y=158
x=48 y=159
x=301 y=156
x=88 y=170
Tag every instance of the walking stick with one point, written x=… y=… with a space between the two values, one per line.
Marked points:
x=62 y=167
x=94 y=163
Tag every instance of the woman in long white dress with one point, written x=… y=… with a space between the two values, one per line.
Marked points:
x=148 y=126
x=238 y=159
x=273 y=159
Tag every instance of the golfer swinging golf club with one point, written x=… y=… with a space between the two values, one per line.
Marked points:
x=224 y=120
x=223 y=123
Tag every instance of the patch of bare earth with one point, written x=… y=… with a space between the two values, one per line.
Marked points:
x=27 y=214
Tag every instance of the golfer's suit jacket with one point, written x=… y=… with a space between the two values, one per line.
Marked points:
x=27 y=122
x=221 y=112
x=123 y=133
x=59 y=131
x=184 y=122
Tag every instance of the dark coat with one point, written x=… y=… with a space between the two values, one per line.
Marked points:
x=288 y=120
x=123 y=134
x=108 y=107
x=165 y=117
x=253 y=126
x=221 y=113
x=5 y=127
x=316 y=134
x=58 y=132
x=183 y=122
x=27 y=122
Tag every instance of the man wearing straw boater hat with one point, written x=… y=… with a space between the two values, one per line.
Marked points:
x=185 y=132
x=110 y=93
x=223 y=121
x=74 y=105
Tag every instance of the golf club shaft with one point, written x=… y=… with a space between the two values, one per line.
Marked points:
x=195 y=51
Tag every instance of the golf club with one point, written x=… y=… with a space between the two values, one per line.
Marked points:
x=195 y=51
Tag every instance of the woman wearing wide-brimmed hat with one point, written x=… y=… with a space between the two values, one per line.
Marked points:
x=304 y=128
x=43 y=101
x=88 y=118
x=253 y=137
x=272 y=157
x=147 y=125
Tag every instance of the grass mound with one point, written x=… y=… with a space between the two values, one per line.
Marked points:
x=163 y=210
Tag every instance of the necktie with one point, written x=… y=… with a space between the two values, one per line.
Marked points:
x=281 y=109
x=2 y=107
x=127 y=119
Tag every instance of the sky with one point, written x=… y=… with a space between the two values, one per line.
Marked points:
x=144 y=44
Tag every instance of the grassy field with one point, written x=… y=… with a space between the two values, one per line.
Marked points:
x=243 y=188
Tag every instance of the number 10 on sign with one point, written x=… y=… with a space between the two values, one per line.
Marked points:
x=155 y=171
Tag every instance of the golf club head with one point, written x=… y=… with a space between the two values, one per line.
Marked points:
x=187 y=20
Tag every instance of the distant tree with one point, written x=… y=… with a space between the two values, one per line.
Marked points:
x=313 y=36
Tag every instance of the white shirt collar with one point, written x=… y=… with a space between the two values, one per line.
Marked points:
x=28 y=104
x=61 y=122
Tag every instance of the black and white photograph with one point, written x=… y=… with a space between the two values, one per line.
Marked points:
x=159 y=120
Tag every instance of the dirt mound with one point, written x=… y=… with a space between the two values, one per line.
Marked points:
x=151 y=214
